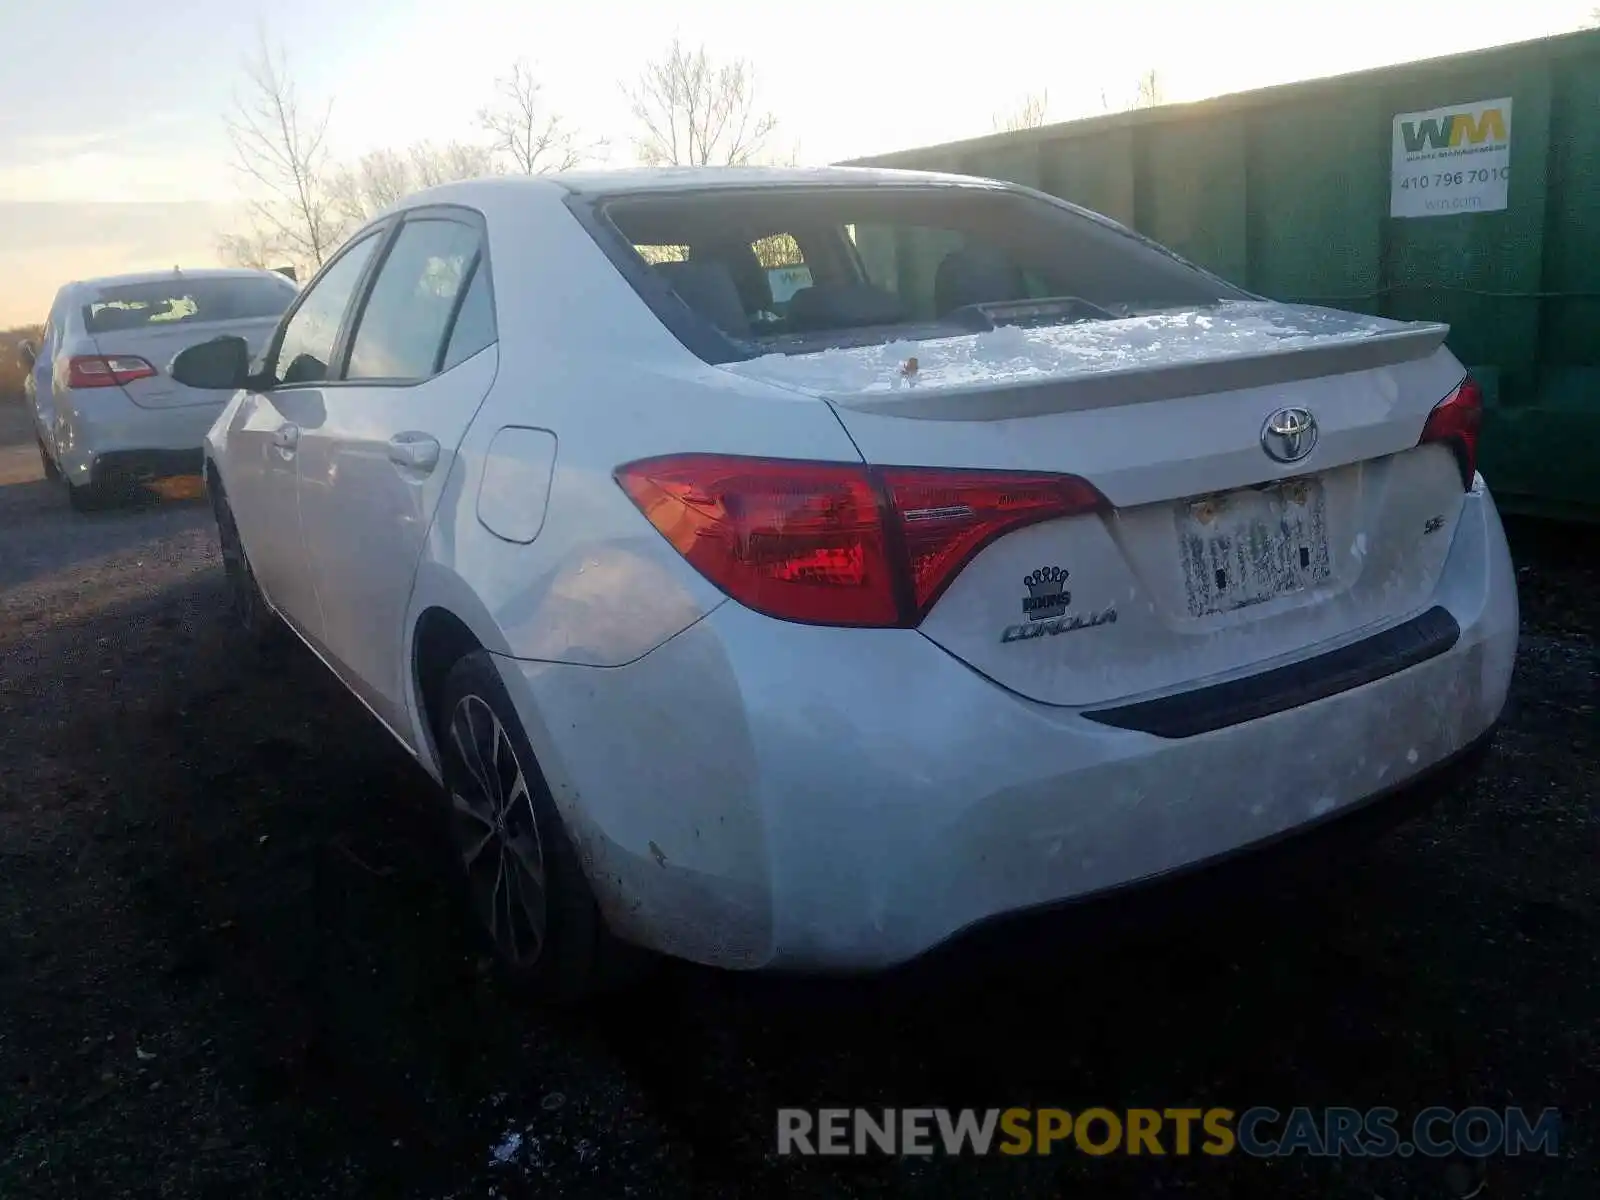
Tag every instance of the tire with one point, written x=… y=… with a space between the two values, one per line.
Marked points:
x=252 y=615
x=94 y=496
x=52 y=473
x=498 y=861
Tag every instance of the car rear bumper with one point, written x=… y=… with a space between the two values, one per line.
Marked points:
x=146 y=464
x=1187 y=896
x=105 y=433
x=760 y=794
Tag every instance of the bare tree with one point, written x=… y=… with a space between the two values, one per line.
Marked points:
x=695 y=112
x=1030 y=114
x=453 y=161
x=380 y=179
x=254 y=249
x=533 y=137
x=359 y=191
x=283 y=149
x=1148 y=93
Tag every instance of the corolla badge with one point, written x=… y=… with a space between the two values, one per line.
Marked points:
x=1289 y=434
x=1045 y=606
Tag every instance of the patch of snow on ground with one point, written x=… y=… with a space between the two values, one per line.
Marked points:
x=505 y=1150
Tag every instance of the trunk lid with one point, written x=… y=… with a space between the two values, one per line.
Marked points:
x=158 y=345
x=1215 y=558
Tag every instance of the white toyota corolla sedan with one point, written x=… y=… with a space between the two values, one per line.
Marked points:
x=797 y=568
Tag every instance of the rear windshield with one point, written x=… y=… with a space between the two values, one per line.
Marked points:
x=187 y=301
x=793 y=270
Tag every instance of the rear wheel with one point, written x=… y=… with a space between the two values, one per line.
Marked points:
x=251 y=612
x=51 y=471
x=522 y=877
x=94 y=496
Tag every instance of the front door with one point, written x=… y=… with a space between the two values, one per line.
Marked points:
x=263 y=441
x=419 y=363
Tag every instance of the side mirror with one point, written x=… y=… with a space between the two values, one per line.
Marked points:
x=27 y=352
x=222 y=364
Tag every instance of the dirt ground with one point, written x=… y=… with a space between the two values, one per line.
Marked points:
x=228 y=967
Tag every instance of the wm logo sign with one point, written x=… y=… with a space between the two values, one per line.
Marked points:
x=1453 y=130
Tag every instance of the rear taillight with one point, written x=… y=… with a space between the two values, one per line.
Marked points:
x=839 y=543
x=94 y=370
x=1454 y=422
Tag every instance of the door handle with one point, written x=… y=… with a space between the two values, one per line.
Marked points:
x=417 y=451
x=286 y=437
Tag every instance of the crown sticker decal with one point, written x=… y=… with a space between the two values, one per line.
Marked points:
x=1047 y=593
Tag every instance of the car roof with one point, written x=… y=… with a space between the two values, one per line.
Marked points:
x=666 y=179
x=137 y=277
x=646 y=180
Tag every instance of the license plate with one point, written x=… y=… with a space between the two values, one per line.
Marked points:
x=1253 y=545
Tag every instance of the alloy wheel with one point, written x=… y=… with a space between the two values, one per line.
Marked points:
x=496 y=832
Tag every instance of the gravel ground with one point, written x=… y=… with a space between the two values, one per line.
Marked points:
x=228 y=967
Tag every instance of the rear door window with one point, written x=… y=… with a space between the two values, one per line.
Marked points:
x=423 y=283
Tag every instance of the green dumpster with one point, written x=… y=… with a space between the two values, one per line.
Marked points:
x=1462 y=189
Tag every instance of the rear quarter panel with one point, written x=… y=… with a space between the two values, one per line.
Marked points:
x=585 y=361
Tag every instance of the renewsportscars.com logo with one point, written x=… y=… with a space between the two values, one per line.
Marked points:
x=1454 y=131
x=1259 y=1132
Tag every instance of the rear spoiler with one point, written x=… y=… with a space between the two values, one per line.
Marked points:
x=1142 y=384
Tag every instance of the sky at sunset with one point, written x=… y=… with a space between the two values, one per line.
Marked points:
x=118 y=160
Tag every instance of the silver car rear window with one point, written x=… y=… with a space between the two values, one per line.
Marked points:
x=178 y=300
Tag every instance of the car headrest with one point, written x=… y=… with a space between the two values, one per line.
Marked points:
x=745 y=269
x=708 y=288
x=834 y=306
x=975 y=276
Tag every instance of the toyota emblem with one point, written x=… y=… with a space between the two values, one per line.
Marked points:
x=1289 y=434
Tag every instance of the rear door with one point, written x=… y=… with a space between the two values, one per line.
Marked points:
x=420 y=360
x=264 y=436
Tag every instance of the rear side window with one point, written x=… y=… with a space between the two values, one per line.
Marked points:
x=662 y=254
x=186 y=301
x=474 y=328
x=784 y=264
x=424 y=282
x=798 y=269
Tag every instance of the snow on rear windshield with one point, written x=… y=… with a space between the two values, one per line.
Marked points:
x=800 y=269
x=167 y=302
x=1013 y=356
